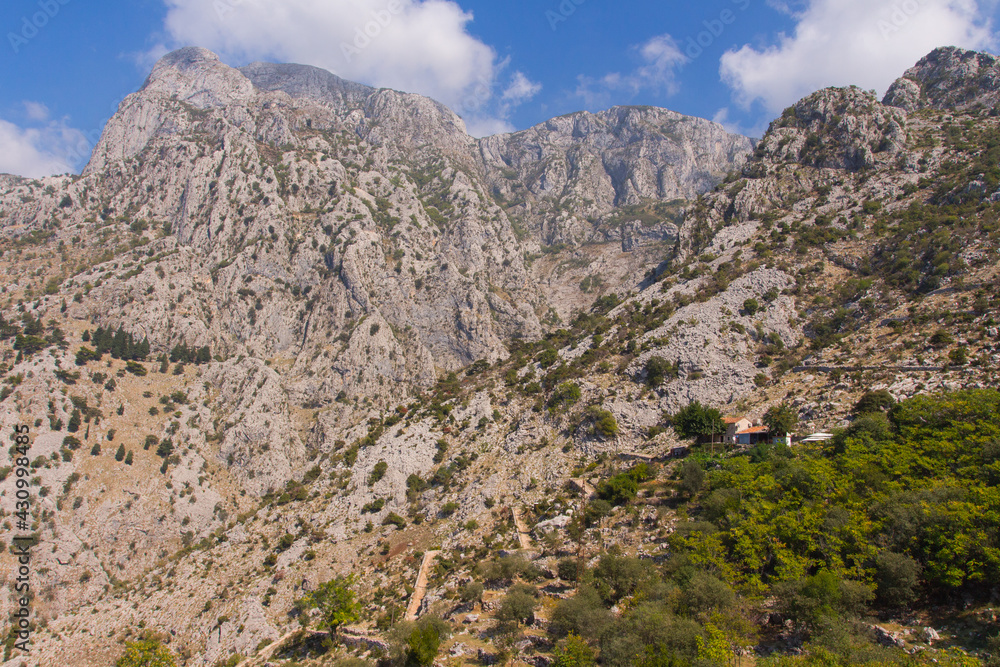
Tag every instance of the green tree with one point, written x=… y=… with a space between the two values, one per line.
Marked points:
x=697 y=420
x=74 y=421
x=605 y=423
x=517 y=606
x=146 y=653
x=692 y=477
x=657 y=370
x=874 y=401
x=336 y=601
x=378 y=472
x=781 y=419
x=574 y=652
x=566 y=393
x=422 y=646
x=751 y=306
x=120 y=454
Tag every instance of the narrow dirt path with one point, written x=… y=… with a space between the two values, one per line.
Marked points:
x=421 y=588
x=522 y=530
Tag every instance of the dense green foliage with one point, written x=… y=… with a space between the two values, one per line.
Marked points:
x=336 y=601
x=698 y=420
x=146 y=653
x=901 y=509
x=924 y=487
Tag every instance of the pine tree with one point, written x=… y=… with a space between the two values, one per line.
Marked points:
x=101 y=340
x=74 y=421
x=120 y=454
x=96 y=449
x=128 y=458
x=119 y=345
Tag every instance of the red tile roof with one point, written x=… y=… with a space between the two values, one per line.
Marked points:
x=732 y=420
x=753 y=429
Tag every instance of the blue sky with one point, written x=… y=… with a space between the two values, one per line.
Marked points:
x=65 y=64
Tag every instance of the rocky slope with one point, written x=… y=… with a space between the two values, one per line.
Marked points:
x=340 y=249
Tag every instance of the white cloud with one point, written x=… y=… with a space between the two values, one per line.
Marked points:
x=36 y=111
x=52 y=149
x=419 y=46
x=868 y=43
x=661 y=57
x=521 y=89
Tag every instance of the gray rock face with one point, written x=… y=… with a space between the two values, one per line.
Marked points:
x=835 y=128
x=948 y=78
x=590 y=164
x=357 y=238
x=355 y=230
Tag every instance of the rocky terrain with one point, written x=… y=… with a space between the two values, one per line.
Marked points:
x=370 y=336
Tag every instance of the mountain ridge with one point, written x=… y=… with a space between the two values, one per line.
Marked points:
x=365 y=347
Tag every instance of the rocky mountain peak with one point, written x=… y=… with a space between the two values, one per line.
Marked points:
x=305 y=81
x=838 y=128
x=948 y=78
x=197 y=76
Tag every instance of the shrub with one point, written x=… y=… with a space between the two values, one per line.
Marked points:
x=471 y=592
x=583 y=614
x=692 y=477
x=605 y=423
x=135 y=368
x=751 y=306
x=705 y=593
x=941 y=338
x=596 y=509
x=574 y=652
x=547 y=358
x=570 y=569
x=146 y=653
x=617 y=577
x=393 y=519
x=165 y=448
x=658 y=369
x=813 y=599
x=897 y=577
x=378 y=472
x=874 y=401
x=618 y=490
x=566 y=393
